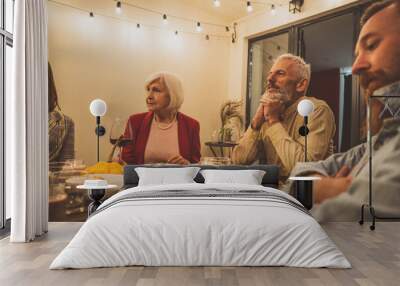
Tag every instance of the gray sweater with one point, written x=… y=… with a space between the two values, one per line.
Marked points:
x=385 y=174
x=385 y=169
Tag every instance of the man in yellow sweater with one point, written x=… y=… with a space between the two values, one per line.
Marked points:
x=273 y=136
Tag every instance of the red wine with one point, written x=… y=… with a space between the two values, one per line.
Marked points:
x=121 y=142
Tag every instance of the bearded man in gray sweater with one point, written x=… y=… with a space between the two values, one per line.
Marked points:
x=344 y=183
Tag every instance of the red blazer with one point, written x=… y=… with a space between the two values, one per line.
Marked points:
x=139 y=126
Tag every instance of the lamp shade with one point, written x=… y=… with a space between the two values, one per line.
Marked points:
x=98 y=107
x=305 y=107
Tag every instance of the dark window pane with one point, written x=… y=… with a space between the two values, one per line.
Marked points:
x=328 y=47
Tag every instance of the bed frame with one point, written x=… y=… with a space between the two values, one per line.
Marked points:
x=270 y=179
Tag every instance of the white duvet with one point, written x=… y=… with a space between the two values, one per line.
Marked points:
x=200 y=231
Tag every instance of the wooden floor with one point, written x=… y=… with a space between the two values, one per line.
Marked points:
x=375 y=257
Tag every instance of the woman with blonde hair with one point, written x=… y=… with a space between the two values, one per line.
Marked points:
x=163 y=134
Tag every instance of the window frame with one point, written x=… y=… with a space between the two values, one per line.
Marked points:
x=6 y=39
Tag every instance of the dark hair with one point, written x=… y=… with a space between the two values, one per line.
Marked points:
x=52 y=97
x=375 y=8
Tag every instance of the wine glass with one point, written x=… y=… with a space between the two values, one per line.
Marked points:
x=120 y=136
x=117 y=130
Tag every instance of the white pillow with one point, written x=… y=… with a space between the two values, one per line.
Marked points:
x=248 y=177
x=165 y=176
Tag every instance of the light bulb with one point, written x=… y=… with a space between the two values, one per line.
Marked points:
x=198 y=27
x=217 y=3
x=98 y=107
x=305 y=107
x=273 y=10
x=249 y=7
x=118 y=8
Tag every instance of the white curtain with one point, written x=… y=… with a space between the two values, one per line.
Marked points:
x=27 y=123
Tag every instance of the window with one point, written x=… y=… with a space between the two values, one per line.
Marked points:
x=328 y=45
x=6 y=43
x=262 y=53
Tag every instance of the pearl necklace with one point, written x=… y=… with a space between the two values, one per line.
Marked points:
x=165 y=127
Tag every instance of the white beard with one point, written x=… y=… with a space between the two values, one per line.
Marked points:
x=281 y=95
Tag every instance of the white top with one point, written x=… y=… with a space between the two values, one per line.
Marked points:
x=304 y=178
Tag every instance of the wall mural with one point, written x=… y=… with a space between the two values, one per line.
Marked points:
x=120 y=94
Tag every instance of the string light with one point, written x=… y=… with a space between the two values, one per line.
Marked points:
x=198 y=27
x=217 y=3
x=138 y=25
x=118 y=8
x=273 y=10
x=165 y=20
x=129 y=4
x=249 y=7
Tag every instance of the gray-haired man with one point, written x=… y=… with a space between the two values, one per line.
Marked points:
x=273 y=136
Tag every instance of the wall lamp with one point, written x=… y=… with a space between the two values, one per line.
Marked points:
x=98 y=108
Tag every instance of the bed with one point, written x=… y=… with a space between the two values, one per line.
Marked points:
x=201 y=224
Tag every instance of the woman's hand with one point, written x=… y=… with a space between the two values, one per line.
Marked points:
x=178 y=160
